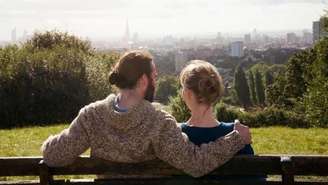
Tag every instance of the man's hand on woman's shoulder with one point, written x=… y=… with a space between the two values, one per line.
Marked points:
x=243 y=131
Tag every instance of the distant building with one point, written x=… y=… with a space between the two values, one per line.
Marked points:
x=219 y=38
x=126 y=37
x=181 y=60
x=291 y=38
x=316 y=31
x=236 y=49
x=307 y=37
x=247 y=39
x=319 y=30
x=25 y=36
x=13 y=35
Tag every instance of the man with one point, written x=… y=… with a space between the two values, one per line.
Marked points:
x=127 y=127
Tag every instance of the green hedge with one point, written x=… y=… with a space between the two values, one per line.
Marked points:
x=269 y=116
x=49 y=78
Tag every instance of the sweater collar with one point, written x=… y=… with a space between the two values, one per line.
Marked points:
x=131 y=118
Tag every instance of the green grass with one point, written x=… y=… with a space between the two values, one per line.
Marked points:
x=26 y=141
x=283 y=140
x=270 y=140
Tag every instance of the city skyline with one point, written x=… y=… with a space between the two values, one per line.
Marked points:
x=106 y=19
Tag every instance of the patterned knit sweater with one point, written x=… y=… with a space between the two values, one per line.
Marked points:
x=142 y=133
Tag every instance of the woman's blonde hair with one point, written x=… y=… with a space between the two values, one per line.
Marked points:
x=204 y=80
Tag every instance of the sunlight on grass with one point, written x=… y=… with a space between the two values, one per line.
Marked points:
x=282 y=140
x=270 y=140
x=26 y=141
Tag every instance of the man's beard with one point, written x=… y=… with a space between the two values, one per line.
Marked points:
x=150 y=92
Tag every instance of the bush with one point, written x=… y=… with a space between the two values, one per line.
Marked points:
x=179 y=109
x=225 y=114
x=49 y=78
x=166 y=86
x=272 y=116
x=97 y=71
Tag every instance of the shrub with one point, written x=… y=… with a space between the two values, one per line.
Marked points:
x=97 y=71
x=273 y=116
x=225 y=114
x=166 y=86
x=179 y=109
x=49 y=78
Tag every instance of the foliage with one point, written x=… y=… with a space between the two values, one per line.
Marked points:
x=52 y=39
x=166 y=86
x=303 y=87
x=241 y=87
x=223 y=113
x=316 y=97
x=259 y=88
x=46 y=79
x=179 y=108
x=98 y=68
x=268 y=78
x=251 y=83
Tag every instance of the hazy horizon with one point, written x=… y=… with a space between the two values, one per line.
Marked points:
x=107 y=18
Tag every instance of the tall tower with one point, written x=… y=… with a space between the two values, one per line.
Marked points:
x=126 y=38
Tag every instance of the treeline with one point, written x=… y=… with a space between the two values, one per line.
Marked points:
x=49 y=78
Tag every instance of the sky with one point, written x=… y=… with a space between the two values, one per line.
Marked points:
x=99 y=19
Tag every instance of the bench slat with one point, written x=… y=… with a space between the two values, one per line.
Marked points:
x=310 y=165
x=259 y=165
x=19 y=166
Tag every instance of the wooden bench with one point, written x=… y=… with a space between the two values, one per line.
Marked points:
x=158 y=172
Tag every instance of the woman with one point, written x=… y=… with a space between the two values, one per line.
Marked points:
x=202 y=87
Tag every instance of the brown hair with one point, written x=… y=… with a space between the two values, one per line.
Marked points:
x=129 y=68
x=204 y=80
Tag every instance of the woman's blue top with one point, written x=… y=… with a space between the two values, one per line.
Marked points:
x=200 y=135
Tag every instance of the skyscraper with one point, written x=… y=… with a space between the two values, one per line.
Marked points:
x=126 y=37
x=247 y=39
x=236 y=49
x=316 y=31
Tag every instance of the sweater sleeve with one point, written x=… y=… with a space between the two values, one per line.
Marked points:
x=173 y=146
x=63 y=148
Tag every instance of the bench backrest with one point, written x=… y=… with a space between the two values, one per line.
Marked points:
x=158 y=172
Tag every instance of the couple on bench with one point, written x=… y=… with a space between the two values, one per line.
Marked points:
x=126 y=127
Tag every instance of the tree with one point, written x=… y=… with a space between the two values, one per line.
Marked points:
x=252 y=87
x=241 y=87
x=49 y=78
x=179 y=108
x=166 y=86
x=316 y=97
x=259 y=88
x=268 y=78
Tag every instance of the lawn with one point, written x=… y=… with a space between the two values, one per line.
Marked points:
x=270 y=140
